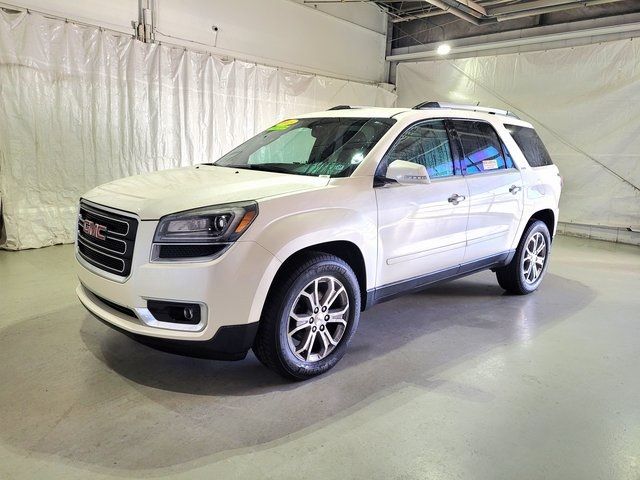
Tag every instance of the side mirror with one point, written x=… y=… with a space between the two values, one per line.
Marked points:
x=407 y=172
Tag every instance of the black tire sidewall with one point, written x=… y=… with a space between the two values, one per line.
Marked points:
x=294 y=366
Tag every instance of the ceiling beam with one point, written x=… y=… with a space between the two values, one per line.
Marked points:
x=436 y=12
x=552 y=8
x=541 y=37
x=473 y=6
x=454 y=11
x=498 y=13
x=520 y=7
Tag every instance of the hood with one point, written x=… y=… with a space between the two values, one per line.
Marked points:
x=153 y=195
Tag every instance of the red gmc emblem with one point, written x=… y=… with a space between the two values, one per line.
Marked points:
x=94 y=229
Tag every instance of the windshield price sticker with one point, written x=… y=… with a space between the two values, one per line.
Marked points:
x=282 y=125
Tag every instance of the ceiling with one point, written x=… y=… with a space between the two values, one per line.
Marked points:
x=428 y=21
x=421 y=22
x=487 y=11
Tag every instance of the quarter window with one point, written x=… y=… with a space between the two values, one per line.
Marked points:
x=426 y=144
x=531 y=145
x=481 y=147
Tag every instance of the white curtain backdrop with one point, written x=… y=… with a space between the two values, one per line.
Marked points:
x=80 y=106
x=585 y=103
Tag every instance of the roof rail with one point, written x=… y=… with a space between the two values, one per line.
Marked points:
x=456 y=106
x=348 y=107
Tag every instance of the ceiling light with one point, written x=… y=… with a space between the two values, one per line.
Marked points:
x=443 y=49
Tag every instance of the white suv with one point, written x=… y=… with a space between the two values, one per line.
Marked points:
x=280 y=244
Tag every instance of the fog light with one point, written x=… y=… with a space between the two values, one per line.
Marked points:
x=175 y=312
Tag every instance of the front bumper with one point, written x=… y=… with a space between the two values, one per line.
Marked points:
x=231 y=342
x=230 y=289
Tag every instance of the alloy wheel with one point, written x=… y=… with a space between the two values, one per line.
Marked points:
x=534 y=258
x=318 y=319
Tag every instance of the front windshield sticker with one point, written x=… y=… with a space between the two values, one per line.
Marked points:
x=282 y=125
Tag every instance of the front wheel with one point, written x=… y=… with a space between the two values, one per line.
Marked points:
x=524 y=273
x=309 y=318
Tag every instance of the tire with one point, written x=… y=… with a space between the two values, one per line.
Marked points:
x=294 y=337
x=524 y=275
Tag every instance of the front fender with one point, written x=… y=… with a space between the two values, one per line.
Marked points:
x=288 y=235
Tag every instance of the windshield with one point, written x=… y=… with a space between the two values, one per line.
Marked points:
x=310 y=146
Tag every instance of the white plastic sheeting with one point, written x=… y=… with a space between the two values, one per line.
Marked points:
x=80 y=106
x=584 y=102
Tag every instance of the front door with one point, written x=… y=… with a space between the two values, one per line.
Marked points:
x=421 y=228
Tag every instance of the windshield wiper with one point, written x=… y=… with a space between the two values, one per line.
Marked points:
x=262 y=167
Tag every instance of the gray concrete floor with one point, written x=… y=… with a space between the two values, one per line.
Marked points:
x=459 y=381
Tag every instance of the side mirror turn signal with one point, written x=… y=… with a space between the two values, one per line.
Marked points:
x=407 y=173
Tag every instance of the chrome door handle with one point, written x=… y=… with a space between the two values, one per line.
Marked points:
x=456 y=199
x=514 y=189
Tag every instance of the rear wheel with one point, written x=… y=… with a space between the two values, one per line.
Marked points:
x=529 y=264
x=309 y=318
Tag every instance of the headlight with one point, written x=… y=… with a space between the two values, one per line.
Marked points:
x=206 y=230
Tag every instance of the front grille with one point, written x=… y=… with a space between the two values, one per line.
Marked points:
x=106 y=239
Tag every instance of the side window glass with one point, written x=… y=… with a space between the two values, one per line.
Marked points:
x=481 y=147
x=531 y=145
x=426 y=144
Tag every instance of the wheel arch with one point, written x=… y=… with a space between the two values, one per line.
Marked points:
x=548 y=217
x=345 y=250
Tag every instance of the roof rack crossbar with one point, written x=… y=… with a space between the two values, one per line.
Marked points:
x=456 y=106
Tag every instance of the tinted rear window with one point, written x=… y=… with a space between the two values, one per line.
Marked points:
x=531 y=145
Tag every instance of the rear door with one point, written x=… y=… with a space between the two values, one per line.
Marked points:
x=421 y=228
x=496 y=193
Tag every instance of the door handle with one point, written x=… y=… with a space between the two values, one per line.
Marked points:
x=514 y=189
x=456 y=199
